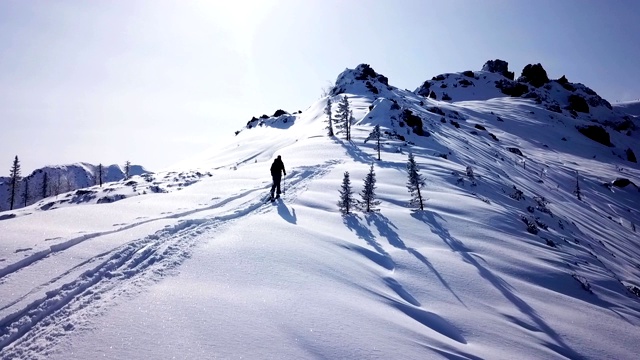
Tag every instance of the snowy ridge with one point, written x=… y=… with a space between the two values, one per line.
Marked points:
x=527 y=244
x=62 y=179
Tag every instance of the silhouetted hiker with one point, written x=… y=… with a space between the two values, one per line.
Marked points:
x=276 y=168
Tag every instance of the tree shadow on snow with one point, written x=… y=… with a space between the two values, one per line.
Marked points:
x=385 y=228
x=429 y=218
x=360 y=156
x=379 y=256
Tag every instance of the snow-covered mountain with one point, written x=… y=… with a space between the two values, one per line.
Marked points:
x=527 y=247
x=54 y=180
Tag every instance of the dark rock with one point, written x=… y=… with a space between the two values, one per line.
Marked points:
x=622 y=182
x=465 y=83
x=443 y=86
x=554 y=107
x=596 y=133
x=279 y=112
x=480 y=127
x=366 y=72
x=493 y=137
x=424 y=89
x=438 y=78
x=446 y=96
x=563 y=80
x=578 y=103
x=515 y=150
x=455 y=123
x=371 y=87
x=432 y=95
x=415 y=122
x=631 y=156
x=468 y=73
x=534 y=75
x=436 y=110
x=512 y=88
x=499 y=67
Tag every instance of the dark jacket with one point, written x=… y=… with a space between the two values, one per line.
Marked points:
x=277 y=166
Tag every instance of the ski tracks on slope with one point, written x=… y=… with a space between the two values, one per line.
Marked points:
x=36 y=329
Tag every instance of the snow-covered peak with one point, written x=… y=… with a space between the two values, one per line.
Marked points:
x=362 y=80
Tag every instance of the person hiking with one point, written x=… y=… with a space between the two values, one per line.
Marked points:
x=276 y=168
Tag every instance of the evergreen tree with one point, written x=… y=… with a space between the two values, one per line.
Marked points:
x=25 y=195
x=45 y=184
x=368 y=192
x=415 y=182
x=375 y=135
x=346 y=195
x=344 y=118
x=14 y=174
x=327 y=111
x=127 y=169
x=577 y=190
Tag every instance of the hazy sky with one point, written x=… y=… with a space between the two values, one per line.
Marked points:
x=155 y=82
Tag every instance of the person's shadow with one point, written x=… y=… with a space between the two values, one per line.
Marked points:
x=283 y=210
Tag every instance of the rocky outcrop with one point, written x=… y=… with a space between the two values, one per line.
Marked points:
x=499 y=67
x=534 y=74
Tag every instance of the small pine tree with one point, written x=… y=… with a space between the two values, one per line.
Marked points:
x=368 y=192
x=327 y=111
x=346 y=195
x=577 y=191
x=14 y=174
x=45 y=184
x=375 y=135
x=99 y=177
x=127 y=169
x=415 y=182
x=25 y=194
x=344 y=118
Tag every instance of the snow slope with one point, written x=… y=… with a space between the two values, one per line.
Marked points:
x=211 y=270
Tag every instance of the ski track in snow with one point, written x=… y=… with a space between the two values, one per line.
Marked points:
x=36 y=328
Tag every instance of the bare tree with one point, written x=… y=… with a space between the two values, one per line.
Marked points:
x=14 y=174
x=327 y=111
x=99 y=176
x=45 y=184
x=25 y=194
x=375 y=135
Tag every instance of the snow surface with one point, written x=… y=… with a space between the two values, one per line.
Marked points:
x=206 y=268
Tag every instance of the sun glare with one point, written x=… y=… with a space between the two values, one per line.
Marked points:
x=240 y=19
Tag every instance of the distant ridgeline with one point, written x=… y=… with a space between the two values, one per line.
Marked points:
x=60 y=179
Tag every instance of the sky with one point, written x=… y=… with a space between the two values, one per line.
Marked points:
x=155 y=82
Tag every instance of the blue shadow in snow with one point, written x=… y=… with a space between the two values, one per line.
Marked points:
x=380 y=257
x=283 y=211
x=560 y=347
x=385 y=228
